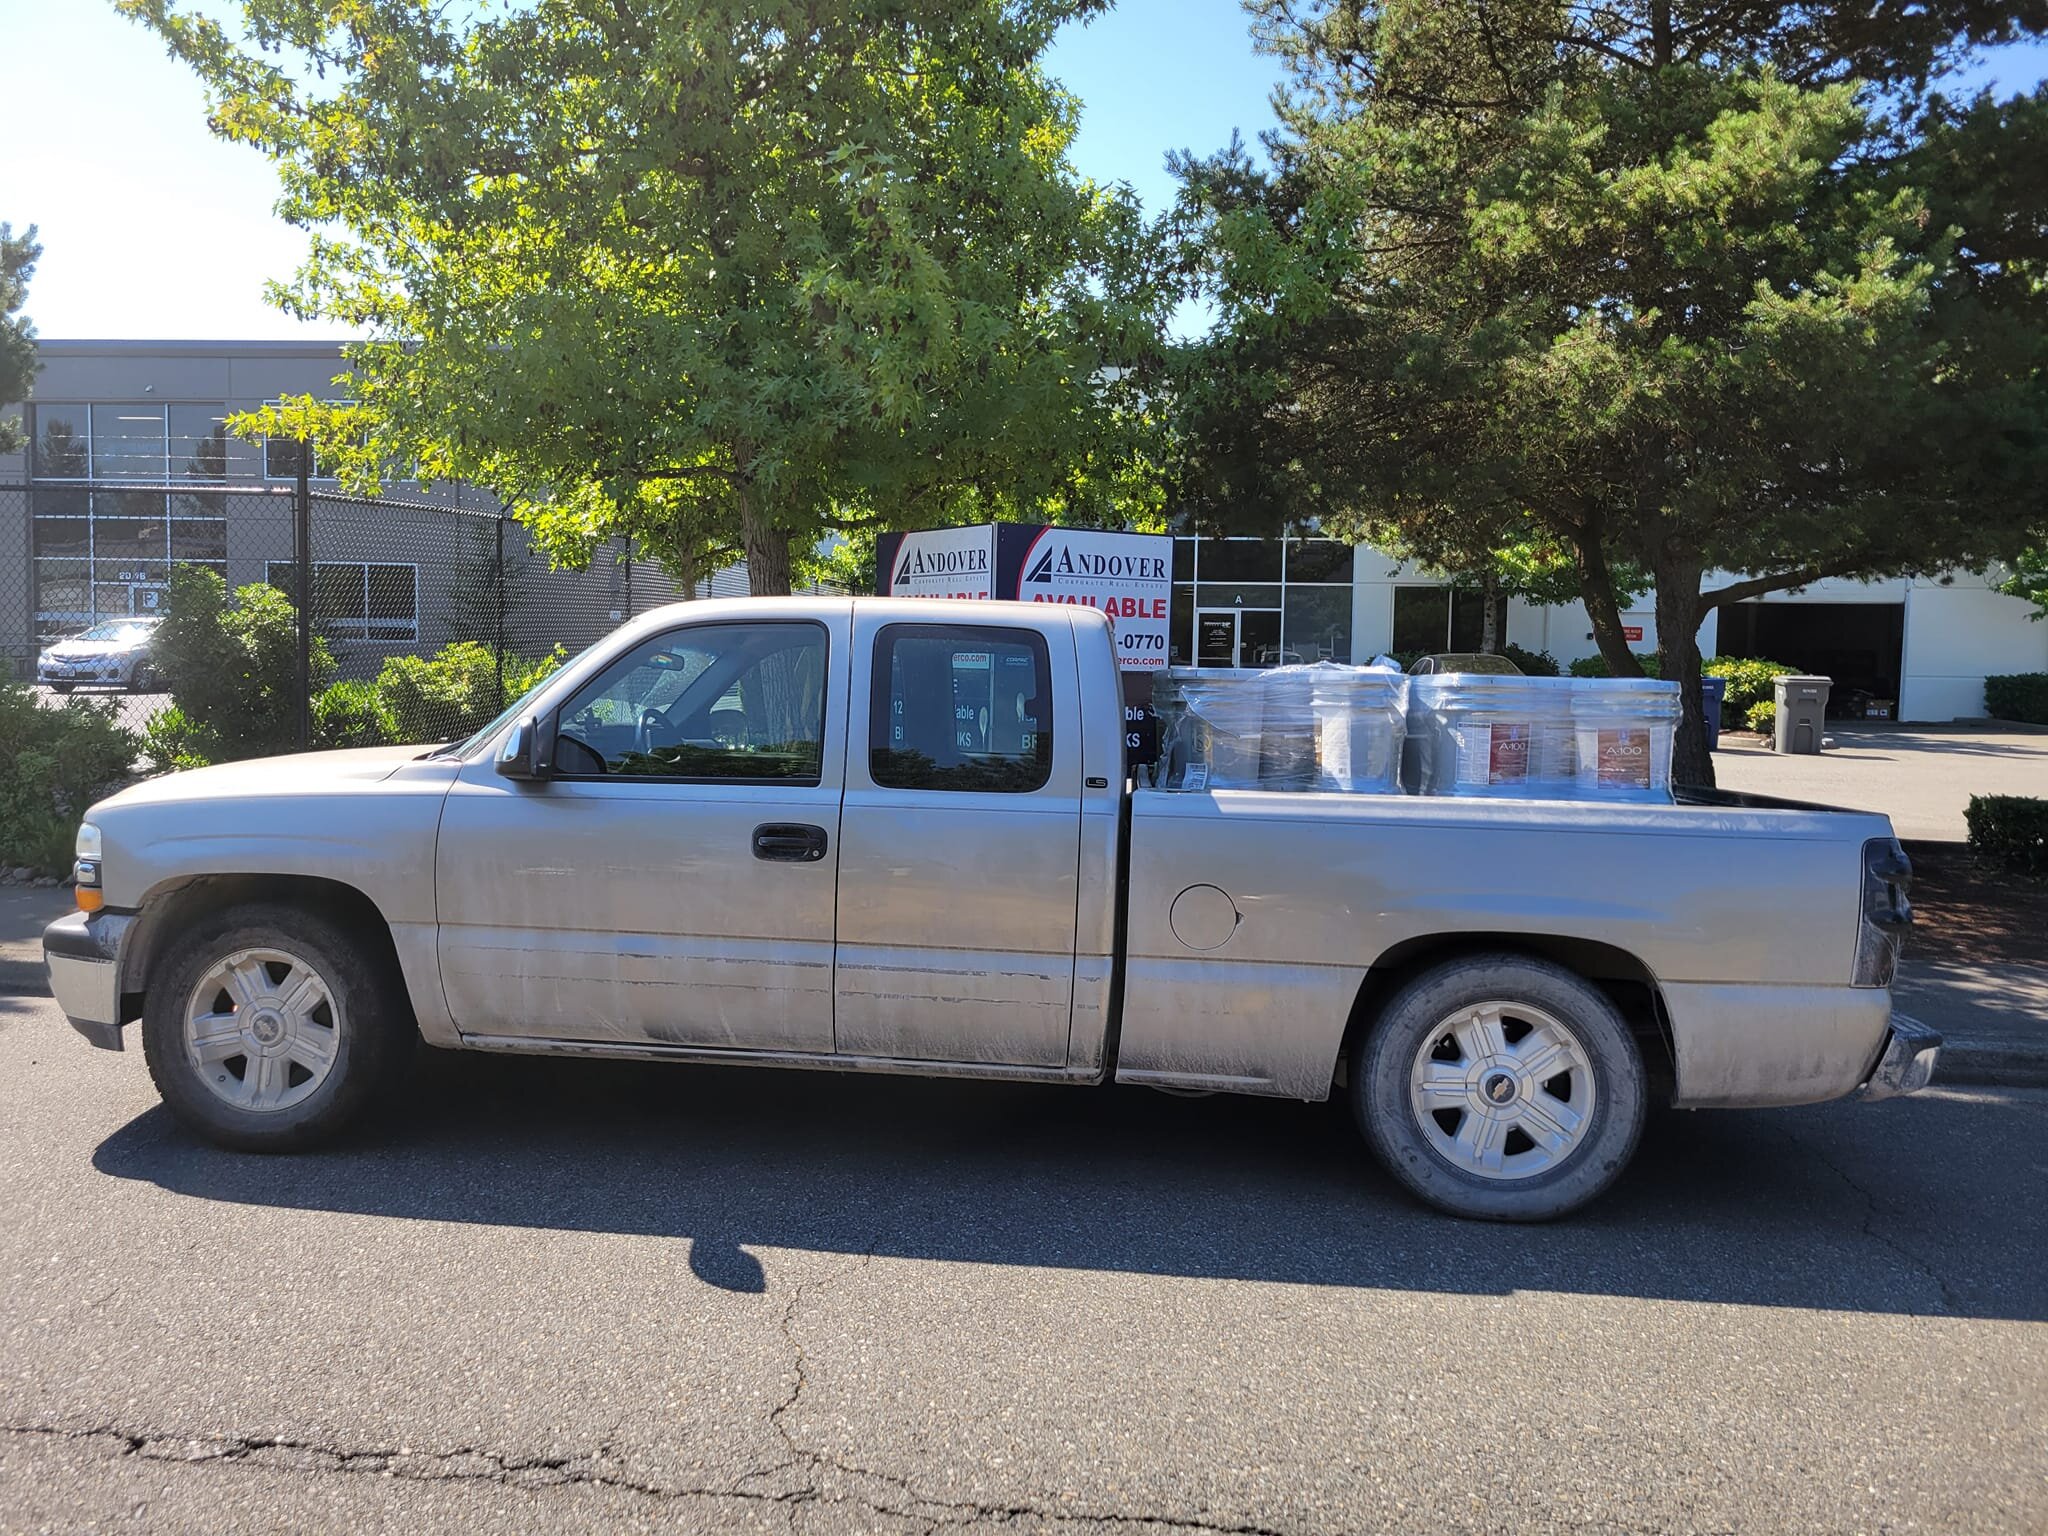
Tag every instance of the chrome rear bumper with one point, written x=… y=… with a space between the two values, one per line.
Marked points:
x=1906 y=1065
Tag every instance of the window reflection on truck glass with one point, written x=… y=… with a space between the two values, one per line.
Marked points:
x=960 y=708
x=714 y=701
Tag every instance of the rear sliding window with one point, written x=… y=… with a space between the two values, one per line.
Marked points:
x=960 y=707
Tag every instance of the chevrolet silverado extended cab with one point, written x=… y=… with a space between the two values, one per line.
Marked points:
x=880 y=835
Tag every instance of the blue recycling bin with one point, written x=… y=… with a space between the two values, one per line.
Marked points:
x=1712 y=691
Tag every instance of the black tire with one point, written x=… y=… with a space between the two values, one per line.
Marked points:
x=374 y=1030
x=1381 y=1100
x=142 y=680
x=62 y=687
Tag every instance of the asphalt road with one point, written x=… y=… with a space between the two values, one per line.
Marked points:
x=565 y=1296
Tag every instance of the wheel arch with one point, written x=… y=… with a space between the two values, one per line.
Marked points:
x=170 y=907
x=1627 y=981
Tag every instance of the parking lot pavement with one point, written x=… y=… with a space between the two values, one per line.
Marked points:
x=567 y=1296
x=1920 y=776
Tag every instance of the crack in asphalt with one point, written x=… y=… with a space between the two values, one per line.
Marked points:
x=1951 y=1305
x=603 y=1468
x=464 y=1464
x=937 y=1513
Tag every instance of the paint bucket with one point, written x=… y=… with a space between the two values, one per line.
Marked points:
x=1624 y=728
x=1489 y=735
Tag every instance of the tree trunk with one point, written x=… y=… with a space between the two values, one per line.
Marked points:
x=767 y=551
x=1489 y=624
x=1678 y=647
x=1597 y=583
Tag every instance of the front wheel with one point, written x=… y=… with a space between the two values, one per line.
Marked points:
x=62 y=688
x=272 y=1029
x=1501 y=1087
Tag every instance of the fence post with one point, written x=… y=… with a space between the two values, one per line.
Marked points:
x=501 y=605
x=302 y=541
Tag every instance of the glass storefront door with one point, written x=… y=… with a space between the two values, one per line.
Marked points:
x=1238 y=637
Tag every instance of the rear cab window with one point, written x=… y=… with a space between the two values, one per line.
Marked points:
x=960 y=707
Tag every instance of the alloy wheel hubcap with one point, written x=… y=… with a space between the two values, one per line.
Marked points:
x=1502 y=1090
x=262 y=1029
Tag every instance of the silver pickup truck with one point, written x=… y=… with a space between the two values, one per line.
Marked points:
x=892 y=836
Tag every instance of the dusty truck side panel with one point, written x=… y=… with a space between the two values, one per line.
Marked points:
x=365 y=820
x=1254 y=918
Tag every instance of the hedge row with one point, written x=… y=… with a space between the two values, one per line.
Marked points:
x=54 y=763
x=2017 y=696
x=2012 y=829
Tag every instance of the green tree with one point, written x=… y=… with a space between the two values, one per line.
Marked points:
x=18 y=256
x=1660 y=283
x=707 y=273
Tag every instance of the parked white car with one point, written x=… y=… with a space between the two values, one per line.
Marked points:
x=112 y=654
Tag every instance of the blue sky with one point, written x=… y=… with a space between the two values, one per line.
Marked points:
x=152 y=228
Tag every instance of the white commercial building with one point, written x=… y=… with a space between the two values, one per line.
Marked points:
x=1926 y=644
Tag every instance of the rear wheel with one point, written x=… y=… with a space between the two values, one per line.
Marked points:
x=272 y=1029
x=1502 y=1087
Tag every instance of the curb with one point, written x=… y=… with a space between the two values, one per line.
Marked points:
x=23 y=978
x=1970 y=1064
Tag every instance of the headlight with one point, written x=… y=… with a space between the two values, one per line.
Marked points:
x=88 y=841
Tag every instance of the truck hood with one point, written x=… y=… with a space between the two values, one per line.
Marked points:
x=301 y=773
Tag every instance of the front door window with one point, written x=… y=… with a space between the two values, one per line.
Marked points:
x=1216 y=638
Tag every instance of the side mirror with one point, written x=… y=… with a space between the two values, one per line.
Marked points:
x=524 y=754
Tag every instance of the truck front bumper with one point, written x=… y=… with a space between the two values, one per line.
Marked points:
x=83 y=954
x=1906 y=1065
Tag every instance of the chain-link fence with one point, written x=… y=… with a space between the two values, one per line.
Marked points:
x=426 y=617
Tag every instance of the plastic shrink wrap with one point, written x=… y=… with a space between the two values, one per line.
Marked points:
x=1322 y=726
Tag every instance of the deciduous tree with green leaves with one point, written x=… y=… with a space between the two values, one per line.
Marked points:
x=1673 y=285
x=712 y=274
x=18 y=256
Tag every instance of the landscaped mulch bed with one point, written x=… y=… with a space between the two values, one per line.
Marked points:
x=1968 y=910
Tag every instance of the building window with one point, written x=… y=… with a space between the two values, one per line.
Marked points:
x=1260 y=602
x=354 y=601
x=128 y=443
x=198 y=438
x=1433 y=620
x=63 y=442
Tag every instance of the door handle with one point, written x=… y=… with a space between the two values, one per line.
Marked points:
x=789 y=842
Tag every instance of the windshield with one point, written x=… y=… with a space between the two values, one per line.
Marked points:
x=116 y=629
x=513 y=710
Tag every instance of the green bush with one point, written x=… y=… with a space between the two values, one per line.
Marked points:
x=2019 y=696
x=1532 y=663
x=352 y=715
x=170 y=740
x=54 y=763
x=1761 y=717
x=233 y=671
x=455 y=692
x=1596 y=665
x=1749 y=683
x=2011 y=830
